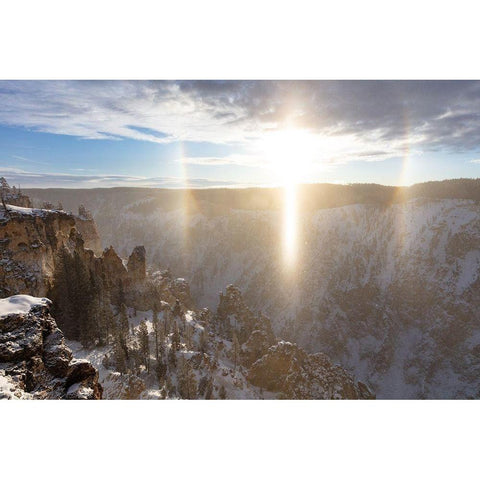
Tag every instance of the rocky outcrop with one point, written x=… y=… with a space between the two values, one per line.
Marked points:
x=137 y=265
x=256 y=346
x=124 y=386
x=289 y=370
x=234 y=315
x=29 y=241
x=113 y=267
x=88 y=230
x=35 y=362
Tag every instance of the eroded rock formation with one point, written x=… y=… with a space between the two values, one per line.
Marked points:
x=35 y=363
x=288 y=369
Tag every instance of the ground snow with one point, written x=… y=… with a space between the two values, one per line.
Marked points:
x=19 y=304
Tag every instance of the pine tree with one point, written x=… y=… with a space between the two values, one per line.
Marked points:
x=106 y=320
x=120 y=294
x=123 y=319
x=202 y=385
x=143 y=340
x=177 y=309
x=156 y=332
x=187 y=383
x=75 y=294
x=62 y=294
x=161 y=371
x=172 y=357
x=161 y=341
x=235 y=351
x=83 y=299
x=209 y=389
x=188 y=337
x=175 y=336
x=222 y=393
x=122 y=331
x=119 y=356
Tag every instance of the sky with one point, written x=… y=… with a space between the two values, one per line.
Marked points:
x=201 y=134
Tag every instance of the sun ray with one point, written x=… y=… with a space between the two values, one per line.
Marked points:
x=290 y=154
x=187 y=207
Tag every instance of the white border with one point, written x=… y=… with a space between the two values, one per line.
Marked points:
x=249 y=39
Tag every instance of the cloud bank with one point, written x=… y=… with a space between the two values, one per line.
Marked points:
x=353 y=120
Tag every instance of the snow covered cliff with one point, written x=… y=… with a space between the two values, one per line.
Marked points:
x=35 y=362
x=390 y=291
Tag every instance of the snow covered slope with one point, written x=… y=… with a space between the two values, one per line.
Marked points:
x=388 y=291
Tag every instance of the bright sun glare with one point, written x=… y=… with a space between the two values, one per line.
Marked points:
x=290 y=154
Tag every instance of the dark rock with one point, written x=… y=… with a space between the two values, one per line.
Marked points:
x=36 y=363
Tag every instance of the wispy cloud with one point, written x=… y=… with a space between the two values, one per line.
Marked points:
x=27 y=179
x=28 y=160
x=234 y=159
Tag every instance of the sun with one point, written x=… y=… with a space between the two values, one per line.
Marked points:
x=290 y=155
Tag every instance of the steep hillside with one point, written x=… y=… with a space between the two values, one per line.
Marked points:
x=387 y=289
x=174 y=351
x=194 y=354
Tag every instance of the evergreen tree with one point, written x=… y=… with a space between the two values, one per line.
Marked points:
x=161 y=371
x=120 y=294
x=122 y=331
x=188 y=337
x=62 y=293
x=222 y=393
x=187 y=383
x=156 y=332
x=202 y=385
x=172 y=357
x=209 y=389
x=106 y=320
x=177 y=309
x=235 y=351
x=76 y=299
x=119 y=356
x=123 y=319
x=143 y=340
x=175 y=336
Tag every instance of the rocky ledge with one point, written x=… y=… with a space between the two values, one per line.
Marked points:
x=35 y=362
x=289 y=370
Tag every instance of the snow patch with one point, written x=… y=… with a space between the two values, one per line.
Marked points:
x=20 y=304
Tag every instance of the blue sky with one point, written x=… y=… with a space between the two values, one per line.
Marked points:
x=236 y=133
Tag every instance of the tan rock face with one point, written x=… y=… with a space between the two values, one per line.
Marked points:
x=112 y=265
x=29 y=240
x=137 y=265
x=88 y=230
